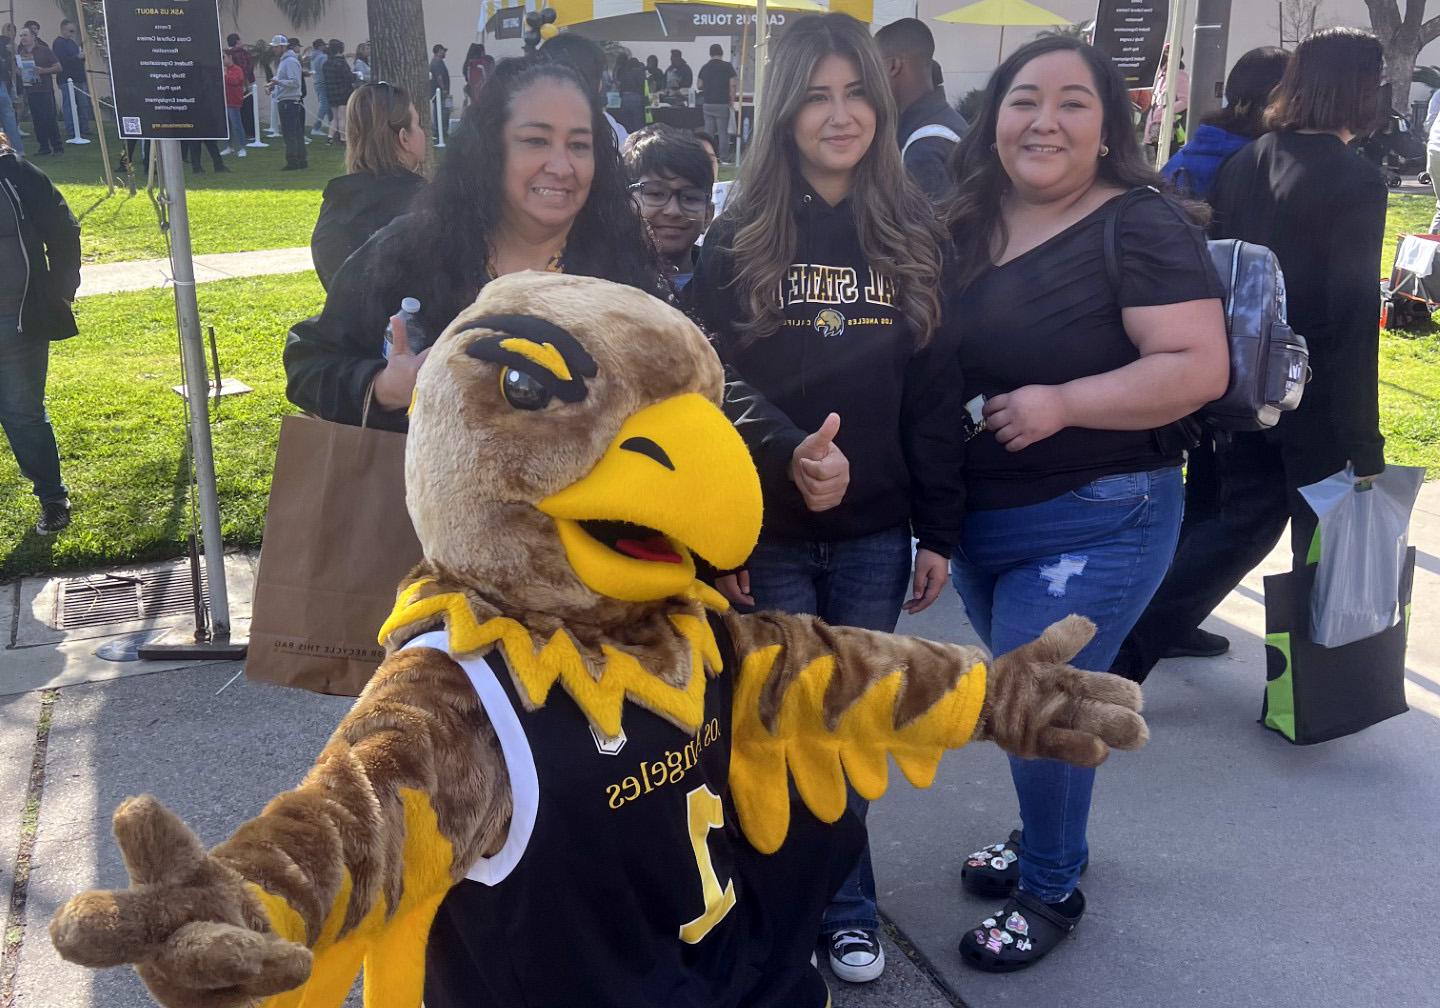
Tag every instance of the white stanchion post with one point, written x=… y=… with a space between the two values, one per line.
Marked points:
x=440 y=122
x=74 y=115
x=255 y=101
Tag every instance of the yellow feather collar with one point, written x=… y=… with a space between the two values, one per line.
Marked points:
x=538 y=666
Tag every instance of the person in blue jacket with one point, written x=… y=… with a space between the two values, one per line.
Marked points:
x=1192 y=171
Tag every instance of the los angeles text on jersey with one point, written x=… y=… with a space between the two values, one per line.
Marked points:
x=670 y=770
x=809 y=283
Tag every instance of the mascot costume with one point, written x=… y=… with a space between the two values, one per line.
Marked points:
x=577 y=780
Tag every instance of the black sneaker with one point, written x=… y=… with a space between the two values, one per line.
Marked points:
x=1198 y=644
x=54 y=516
x=856 y=956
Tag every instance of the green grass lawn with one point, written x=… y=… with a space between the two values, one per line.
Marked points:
x=254 y=206
x=122 y=430
x=1410 y=361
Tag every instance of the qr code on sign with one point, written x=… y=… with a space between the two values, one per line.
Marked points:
x=130 y=125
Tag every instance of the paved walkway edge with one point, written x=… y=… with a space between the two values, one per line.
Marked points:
x=114 y=278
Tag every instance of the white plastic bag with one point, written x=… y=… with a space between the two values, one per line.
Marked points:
x=1364 y=533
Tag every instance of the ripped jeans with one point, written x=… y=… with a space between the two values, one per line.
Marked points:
x=1099 y=551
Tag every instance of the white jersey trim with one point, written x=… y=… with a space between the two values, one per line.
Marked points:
x=519 y=761
x=934 y=131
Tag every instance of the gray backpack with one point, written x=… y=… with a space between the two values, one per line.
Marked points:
x=1269 y=362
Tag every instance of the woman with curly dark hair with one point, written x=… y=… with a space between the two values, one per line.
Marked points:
x=532 y=181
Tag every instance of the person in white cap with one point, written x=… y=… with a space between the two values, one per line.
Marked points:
x=286 y=87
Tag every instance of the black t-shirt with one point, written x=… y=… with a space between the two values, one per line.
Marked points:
x=715 y=78
x=1051 y=316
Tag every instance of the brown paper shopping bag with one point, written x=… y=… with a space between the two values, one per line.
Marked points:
x=338 y=541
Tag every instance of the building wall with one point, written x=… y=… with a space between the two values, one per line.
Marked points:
x=967 y=54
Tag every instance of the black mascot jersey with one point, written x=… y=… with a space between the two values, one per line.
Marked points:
x=626 y=873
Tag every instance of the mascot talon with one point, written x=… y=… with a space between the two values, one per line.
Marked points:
x=187 y=924
x=570 y=781
x=1038 y=707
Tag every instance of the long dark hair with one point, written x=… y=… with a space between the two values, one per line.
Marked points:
x=1332 y=83
x=894 y=220
x=454 y=217
x=1247 y=92
x=981 y=181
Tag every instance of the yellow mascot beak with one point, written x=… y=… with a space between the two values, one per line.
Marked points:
x=676 y=482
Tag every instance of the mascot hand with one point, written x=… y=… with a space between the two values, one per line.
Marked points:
x=193 y=932
x=1038 y=707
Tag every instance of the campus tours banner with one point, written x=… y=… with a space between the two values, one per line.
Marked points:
x=1133 y=36
x=166 y=69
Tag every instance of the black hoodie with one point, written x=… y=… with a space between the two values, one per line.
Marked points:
x=844 y=347
x=49 y=248
x=355 y=207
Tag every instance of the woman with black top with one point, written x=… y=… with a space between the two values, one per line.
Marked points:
x=533 y=181
x=384 y=161
x=1073 y=499
x=339 y=84
x=824 y=216
x=1303 y=193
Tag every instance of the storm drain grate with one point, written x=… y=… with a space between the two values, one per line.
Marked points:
x=110 y=598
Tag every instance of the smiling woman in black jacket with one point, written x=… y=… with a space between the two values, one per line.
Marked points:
x=39 y=274
x=383 y=163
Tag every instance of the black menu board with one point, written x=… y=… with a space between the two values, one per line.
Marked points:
x=166 y=70
x=1132 y=35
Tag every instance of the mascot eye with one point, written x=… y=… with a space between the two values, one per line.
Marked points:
x=523 y=391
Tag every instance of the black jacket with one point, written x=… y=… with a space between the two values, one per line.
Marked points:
x=337 y=79
x=928 y=157
x=1321 y=210
x=355 y=207
x=843 y=347
x=50 y=237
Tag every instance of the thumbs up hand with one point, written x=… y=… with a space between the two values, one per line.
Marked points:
x=820 y=469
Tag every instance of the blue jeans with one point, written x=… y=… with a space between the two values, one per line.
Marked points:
x=860 y=582
x=8 y=122
x=1099 y=551
x=24 y=360
x=237 y=128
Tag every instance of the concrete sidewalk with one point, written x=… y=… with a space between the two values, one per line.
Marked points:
x=112 y=278
x=1227 y=866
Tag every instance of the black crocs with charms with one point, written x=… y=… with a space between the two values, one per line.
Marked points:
x=1019 y=934
x=993 y=870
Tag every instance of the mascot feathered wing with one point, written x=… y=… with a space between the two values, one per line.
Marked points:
x=567 y=461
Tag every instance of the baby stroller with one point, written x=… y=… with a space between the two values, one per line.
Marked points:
x=1411 y=295
x=1394 y=148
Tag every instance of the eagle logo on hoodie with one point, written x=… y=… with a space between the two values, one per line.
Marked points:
x=829 y=323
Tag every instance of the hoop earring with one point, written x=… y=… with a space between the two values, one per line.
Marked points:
x=994 y=149
x=1104 y=151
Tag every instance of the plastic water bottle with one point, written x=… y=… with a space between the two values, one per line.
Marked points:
x=409 y=313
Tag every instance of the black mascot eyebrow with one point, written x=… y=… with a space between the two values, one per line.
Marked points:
x=540 y=334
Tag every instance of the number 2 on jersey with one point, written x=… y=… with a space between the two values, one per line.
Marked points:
x=706 y=812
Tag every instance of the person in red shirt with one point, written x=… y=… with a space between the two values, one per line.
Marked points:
x=234 y=104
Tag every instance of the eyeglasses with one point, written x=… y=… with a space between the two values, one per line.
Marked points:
x=654 y=197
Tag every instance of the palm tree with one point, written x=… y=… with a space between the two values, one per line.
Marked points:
x=1080 y=30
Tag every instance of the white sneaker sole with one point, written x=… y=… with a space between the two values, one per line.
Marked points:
x=858 y=974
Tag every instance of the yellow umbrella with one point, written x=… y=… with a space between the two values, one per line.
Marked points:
x=1001 y=13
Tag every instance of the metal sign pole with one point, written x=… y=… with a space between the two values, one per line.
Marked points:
x=197 y=394
x=1172 y=80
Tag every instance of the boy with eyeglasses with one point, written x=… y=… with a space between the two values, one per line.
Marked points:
x=671 y=177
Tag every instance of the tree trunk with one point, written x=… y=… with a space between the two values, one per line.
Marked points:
x=1403 y=36
x=397 y=43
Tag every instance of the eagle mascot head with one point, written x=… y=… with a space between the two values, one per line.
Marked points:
x=568 y=463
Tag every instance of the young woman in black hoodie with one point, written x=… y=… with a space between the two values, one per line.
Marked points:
x=820 y=284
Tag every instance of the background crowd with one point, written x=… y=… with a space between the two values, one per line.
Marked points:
x=938 y=373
